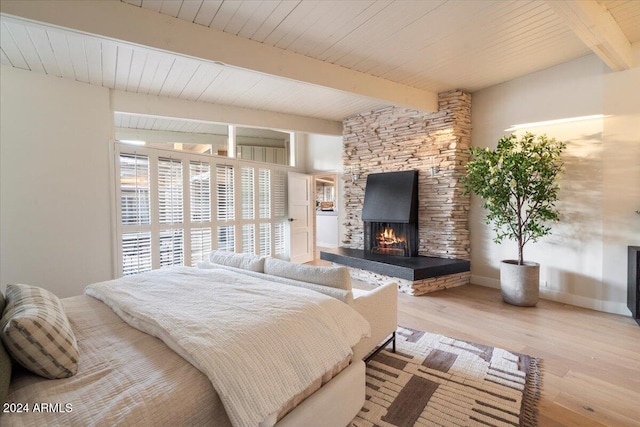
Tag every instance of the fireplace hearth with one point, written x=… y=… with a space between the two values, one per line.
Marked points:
x=390 y=216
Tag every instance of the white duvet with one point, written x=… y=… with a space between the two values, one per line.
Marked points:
x=259 y=342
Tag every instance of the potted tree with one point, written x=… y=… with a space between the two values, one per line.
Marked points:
x=518 y=182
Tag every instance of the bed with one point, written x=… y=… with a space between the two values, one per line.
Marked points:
x=128 y=376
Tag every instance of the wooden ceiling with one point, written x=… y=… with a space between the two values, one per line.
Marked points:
x=321 y=59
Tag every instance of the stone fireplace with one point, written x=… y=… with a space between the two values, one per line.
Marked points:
x=436 y=145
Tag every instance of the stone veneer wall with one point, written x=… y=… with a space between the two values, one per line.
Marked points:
x=396 y=139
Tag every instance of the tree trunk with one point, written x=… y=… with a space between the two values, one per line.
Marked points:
x=520 y=203
x=520 y=257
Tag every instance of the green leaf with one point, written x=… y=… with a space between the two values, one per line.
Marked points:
x=518 y=181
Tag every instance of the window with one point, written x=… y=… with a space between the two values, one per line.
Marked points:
x=136 y=252
x=279 y=191
x=200 y=244
x=200 y=191
x=175 y=207
x=170 y=184
x=134 y=190
x=171 y=247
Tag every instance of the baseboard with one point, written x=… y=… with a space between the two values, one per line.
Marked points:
x=485 y=281
x=326 y=245
x=612 y=307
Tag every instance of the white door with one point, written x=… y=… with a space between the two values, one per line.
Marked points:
x=301 y=212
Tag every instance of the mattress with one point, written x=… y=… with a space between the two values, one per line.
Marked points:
x=125 y=377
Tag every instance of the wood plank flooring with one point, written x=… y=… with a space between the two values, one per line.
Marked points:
x=591 y=360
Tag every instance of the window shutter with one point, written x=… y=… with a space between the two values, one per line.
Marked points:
x=227 y=238
x=171 y=247
x=225 y=190
x=279 y=238
x=136 y=252
x=200 y=191
x=182 y=220
x=170 y=205
x=279 y=194
x=248 y=193
x=249 y=238
x=134 y=189
x=279 y=211
x=200 y=244
x=264 y=193
x=265 y=239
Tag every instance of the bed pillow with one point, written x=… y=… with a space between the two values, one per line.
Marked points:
x=5 y=363
x=334 y=277
x=36 y=332
x=243 y=261
x=337 y=293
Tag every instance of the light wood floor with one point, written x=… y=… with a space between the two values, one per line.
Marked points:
x=590 y=360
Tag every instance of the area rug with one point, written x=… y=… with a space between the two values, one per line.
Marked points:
x=433 y=380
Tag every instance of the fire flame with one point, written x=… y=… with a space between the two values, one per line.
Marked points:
x=388 y=238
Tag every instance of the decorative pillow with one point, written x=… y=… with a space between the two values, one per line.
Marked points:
x=243 y=261
x=335 y=277
x=5 y=363
x=337 y=293
x=37 y=333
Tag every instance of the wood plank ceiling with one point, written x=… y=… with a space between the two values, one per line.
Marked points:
x=431 y=45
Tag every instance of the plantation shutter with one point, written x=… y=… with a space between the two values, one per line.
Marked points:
x=135 y=206
x=264 y=193
x=248 y=192
x=226 y=238
x=170 y=183
x=136 y=252
x=178 y=219
x=200 y=191
x=279 y=242
x=135 y=202
x=248 y=238
x=265 y=239
x=171 y=247
x=200 y=244
x=279 y=194
x=226 y=206
x=279 y=212
x=225 y=191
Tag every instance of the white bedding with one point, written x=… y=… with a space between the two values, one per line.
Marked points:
x=259 y=342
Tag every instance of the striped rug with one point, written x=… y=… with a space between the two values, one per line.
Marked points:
x=433 y=380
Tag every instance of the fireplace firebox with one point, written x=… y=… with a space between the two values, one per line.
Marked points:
x=390 y=214
x=390 y=238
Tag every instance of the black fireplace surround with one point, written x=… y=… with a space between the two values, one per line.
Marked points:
x=390 y=214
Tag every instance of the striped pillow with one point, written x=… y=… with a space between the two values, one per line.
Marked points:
x=37 y=333
x=5 y=363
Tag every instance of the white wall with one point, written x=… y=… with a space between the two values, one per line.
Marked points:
x=324 y=153
x=621 y=179
x=583 y=262
x=55 y=205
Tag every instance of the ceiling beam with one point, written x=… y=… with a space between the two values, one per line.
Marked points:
x=137 y=103
x=595 y=26
x=127 y=23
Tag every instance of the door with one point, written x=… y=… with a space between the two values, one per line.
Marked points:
x=301 y=212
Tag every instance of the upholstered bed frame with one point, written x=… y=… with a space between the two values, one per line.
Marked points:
x=338 y=401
